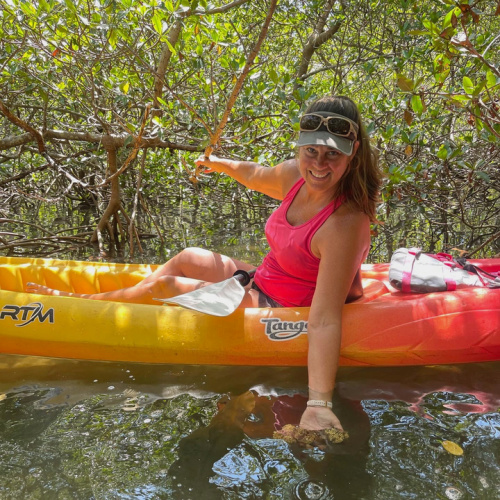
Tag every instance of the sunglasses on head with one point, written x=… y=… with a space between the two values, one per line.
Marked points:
x=335 y=124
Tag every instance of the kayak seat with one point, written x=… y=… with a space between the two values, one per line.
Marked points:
x=69 y=278
x=108 y=281
x=10 y=279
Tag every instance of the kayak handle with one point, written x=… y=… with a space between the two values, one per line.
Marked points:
x=244 y=277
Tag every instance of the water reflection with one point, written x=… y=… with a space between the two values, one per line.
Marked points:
x=74 y=429
x=179 y=215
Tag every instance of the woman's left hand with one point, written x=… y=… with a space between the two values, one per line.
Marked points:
x=317 y=418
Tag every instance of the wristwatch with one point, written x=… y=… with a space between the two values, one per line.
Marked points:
x=319 y=402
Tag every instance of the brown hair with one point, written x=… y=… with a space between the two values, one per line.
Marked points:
x=361 y=181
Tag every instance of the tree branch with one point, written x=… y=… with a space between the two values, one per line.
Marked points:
x=480 y=247
x=241 y=79
x=173 y=37
x=217 y=10
x=114 y=140
x=165 y=56
x=25 y=126
x=318 y=37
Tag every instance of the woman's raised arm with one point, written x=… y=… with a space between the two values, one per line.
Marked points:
x=272 y=181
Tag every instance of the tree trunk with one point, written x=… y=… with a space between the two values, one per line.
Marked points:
x=114 y=200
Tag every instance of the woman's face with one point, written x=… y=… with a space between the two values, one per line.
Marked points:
x=322 y=166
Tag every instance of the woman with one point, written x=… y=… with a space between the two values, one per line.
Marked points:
x=319 y=236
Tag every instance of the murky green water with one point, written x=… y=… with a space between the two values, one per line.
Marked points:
x=90 y=430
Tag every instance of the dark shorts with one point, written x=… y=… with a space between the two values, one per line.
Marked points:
x=264 y=300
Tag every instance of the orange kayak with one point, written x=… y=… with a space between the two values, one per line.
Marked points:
x=384 y=328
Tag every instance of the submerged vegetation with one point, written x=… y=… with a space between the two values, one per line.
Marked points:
x=105 y=105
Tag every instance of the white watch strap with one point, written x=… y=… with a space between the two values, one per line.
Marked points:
x=319 y=402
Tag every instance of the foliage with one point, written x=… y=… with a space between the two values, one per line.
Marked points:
x=88 y=89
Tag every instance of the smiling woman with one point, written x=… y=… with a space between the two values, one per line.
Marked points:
x=318 y=236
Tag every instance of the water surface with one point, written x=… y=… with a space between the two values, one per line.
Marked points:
x=95 y=430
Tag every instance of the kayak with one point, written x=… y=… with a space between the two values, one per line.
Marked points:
x=383 y=328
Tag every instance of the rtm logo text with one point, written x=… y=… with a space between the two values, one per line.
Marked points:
x=276 y=329
x=27 y=314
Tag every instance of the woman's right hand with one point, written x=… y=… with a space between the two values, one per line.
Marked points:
x=270 y=181
x=210 y=164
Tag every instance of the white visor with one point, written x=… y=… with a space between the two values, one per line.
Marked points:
x=323 y=138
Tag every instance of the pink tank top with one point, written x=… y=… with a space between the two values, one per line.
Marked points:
x=289 y=271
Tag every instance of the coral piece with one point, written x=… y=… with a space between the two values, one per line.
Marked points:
x=293 y=434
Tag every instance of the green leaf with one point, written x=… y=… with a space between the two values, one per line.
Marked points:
x=418 y=82
x=491 y=79
x=43 y=95
x=442 y=153
x=417 y=104
x=84 y=20
x=112 y=37
x=388 y=132
x=479 y=88
x=274 y=76
x=28 y=9
x=455 y=152
x=419 y=32
x=169 y=5
x=71 y=6
x=434 y=30
x=461 y=98
x=484 y=176
x=171 y=47
x=43 y=6
x=62 y=30
x=450 y=18
x=157 y=24
x=468 y=85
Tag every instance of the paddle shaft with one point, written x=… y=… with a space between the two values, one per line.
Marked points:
x=244 y=277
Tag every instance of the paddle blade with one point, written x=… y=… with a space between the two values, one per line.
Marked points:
x=218 y=299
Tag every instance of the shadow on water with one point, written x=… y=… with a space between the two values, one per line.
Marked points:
x=200 y=450
x=90 y=430
x=236 y=445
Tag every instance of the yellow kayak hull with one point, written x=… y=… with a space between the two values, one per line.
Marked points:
x=384 y=328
